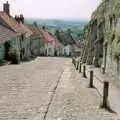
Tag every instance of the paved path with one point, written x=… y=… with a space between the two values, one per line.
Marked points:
x=114 y=90
x=75 y=101
x=26 y=89
x=47 y=89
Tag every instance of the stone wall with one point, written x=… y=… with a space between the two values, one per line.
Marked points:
x=112 y=35
x=104 y=37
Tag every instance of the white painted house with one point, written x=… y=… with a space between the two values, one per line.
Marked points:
x=68 y=50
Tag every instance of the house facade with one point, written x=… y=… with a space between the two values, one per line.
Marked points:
x=103 y=45
x=50 y=43
x=29 y=39
x=6 y=50
x=68 y=50
x=37 y=47
x=21 y=45
x=76 y=51
x=59 y=49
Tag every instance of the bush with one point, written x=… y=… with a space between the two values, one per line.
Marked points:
x=2 y=62
x=14 y=56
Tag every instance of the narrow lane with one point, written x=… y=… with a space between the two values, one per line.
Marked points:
x=27 y=89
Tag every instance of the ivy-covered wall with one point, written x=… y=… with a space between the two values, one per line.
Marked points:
x=2 y=53
x=25 y=46
x=42 y=47
x=104 y=37
x=21 y=48
x=112 y=38
x=35 y=47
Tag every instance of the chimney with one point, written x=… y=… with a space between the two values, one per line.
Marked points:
x=35 y=24
x=6 y=8
x=17 y=18
x=22 y=18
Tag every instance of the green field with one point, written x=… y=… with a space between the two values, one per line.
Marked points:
x=63 y=24
x=51 y=25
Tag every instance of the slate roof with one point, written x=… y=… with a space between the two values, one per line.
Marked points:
x=6 y=34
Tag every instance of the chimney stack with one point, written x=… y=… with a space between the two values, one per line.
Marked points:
x=17 y=18
x=6 y=8
x=22 y=18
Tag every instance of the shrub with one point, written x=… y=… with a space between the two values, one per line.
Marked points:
x=2 y=62
x=14 y=56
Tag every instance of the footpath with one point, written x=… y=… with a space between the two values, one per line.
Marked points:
x=114 y=89
x=74 y=100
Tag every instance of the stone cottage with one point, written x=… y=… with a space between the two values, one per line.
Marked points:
x=49 y=43
x=68 y=50
x=76 y=51
x=17 y=25
x=59 y=48
x=37 y=46
x=103 y=44
x=6 y=35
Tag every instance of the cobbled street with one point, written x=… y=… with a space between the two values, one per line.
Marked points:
x=27 y=89
x=47 y=88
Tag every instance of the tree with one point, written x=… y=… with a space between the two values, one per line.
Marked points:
x=64 y=37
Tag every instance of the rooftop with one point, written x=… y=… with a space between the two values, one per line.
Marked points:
x=6 y=34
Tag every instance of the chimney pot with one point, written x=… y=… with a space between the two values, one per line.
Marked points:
x=22 y=18
x=17 y=18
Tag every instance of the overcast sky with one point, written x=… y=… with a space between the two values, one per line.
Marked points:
x=59 y=9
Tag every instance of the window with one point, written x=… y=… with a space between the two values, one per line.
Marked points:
x=111 y=22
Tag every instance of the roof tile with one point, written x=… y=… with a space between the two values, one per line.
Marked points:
x=35 y=30
x=14 y=25
x=47 y=37
x=6 y=34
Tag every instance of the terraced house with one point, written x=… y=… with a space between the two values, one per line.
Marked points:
x=59 y=48
x=37 y=46
x=6 y=36
x=20 y=29
x=102 y=46
x=24 y=41
x=50 y=43
x=26 y=44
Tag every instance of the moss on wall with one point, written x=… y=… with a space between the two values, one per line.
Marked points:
x=14 y=51
x=2 y=53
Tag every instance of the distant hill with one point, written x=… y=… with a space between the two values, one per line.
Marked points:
x=52 y=25
x=63 y=24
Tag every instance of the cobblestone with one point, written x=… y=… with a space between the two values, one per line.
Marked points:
x=30 y=91
x=75 y=101
x=26 y=89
